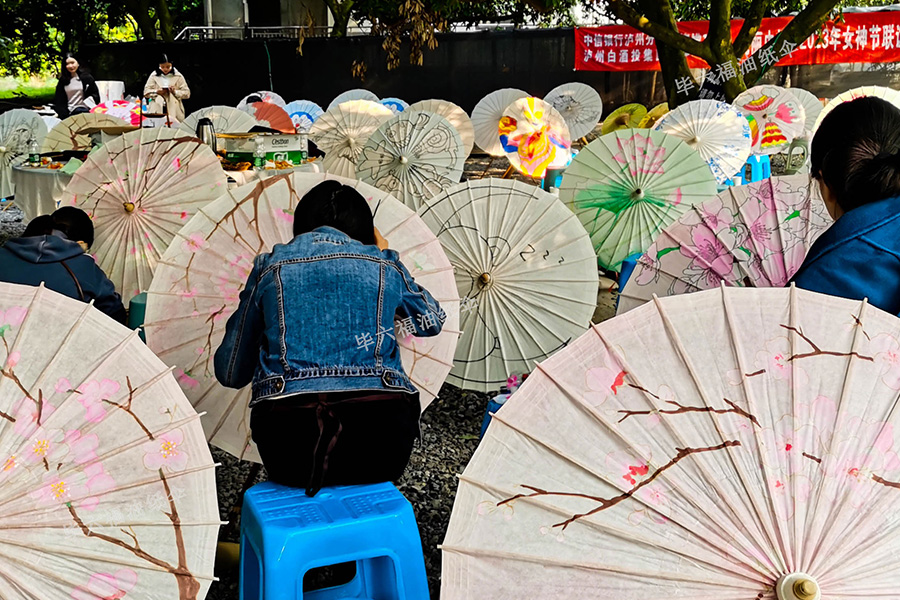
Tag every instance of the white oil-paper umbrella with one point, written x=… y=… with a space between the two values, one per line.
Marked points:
x=780 y=115
x=722 y=445
x=197 y=284
x=140 y=189
x=107 y=486
x=875 y=91
x=413 y=156
x=343 y=131
x=579 y=104
x=455 y=115
x=65 y=136
x=526 y=273
x=355 y=94
x=486 y=118
x=17 y=128
x=225 y=119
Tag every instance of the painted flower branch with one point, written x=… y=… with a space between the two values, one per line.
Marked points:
x=605 y=503
x=876 y=478
x=682 y=409
x=816 y=351
x=127 y=407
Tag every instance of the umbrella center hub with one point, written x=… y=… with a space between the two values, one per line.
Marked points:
x=403 y=160
x=637 y=194
x=485 y=279
x=694 y=141
x=128 y=206
x=798 y=586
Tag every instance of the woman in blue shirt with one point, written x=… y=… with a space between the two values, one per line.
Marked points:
x=855 y=157
x=314 y=333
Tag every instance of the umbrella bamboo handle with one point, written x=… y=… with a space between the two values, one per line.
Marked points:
x=805 y=589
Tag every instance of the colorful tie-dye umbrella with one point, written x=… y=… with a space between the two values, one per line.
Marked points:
x=303 y=113
x=875 y=91
x=455 y=115
x=754 y=235
x=17 y=128
x=263 y=96
x=624 y=117
x=780 y=115
x=197 y=284
x=349 y=95
x=108 y=485
x=225 y=119
x=130 y=112
x=271 y=116
x=65 y=136
x=628 y=185
x=727 y=445
x=716 y=130
x=140 y=189
x=525 y=270
x=579 y=104
x=486 y=117
x=342 y=133
x=413 y=156
x=535 y=137
x=396 y=105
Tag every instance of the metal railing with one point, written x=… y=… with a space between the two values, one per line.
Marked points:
x=282 y=32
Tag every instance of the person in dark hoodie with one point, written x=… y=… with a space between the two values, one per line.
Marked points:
x=53 y=251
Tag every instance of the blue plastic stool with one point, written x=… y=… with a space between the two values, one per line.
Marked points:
x=760 y=167
x=137 y=310
x=625 y=272
x=284 y=534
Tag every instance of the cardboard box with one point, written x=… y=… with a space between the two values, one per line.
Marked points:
x=285 y=147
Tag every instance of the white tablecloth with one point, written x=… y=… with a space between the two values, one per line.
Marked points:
x=242 y=177
x=38 y=190
x=111 y=90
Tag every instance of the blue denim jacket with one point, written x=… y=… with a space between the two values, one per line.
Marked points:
x=317 y=315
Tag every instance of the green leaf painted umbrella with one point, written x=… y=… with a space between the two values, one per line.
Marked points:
x=628 y=185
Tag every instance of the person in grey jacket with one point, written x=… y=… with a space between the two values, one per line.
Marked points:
x=53 y=251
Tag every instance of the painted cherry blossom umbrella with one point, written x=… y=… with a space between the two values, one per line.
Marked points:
x=264 y=96
x=197 y=284
x=579 y=104
x=525 y=270
x=342 y=133
x=413 y=156
x=455 y=115
x=108 y=486
x=130 y=112
x=727 y=445
x=780 y=115
x=140 y=189
x=355 y=94
x=876 y=91
x=628 y=185
x=17 y=128
x=271 y=116
x=65 y=136
x=717 y=131
x=754 y=235
x=535 y=137
x=303 y=113
x=225 y=119
x=486 y=117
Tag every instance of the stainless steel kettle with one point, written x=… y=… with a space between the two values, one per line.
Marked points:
x=207 y=132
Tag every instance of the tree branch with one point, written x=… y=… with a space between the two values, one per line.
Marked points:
x=681 y=409
x=745 y=36
x=665 y=34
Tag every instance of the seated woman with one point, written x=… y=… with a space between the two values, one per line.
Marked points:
x=855 y=157
x=52 y=251
x=314 y=331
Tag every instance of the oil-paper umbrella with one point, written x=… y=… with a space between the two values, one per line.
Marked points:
x=271 y=116
x=225 y=119
x=197 y=284
x=653 y=115
x=780 y=115
x=108 y=486
x=812 y=106
x=455 y=115
x=355 y=94
x=65 y=136
x=579 y=104
x=486 y=117
x=525 y=270
x=753 y=235
x=130 y=112
x=413 y=156
x=263 y=96
x=624 y=117
x=724 y=445
x=395 y=104
x=303 y=114
x=140 y=189
x=342 y=133
x=628 y=185
x=716 y=130
x=875 y=91
x=17 y=128
x=535 y=137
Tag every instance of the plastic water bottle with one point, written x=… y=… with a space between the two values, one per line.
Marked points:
x=493 y=406
x=304 y=148
x=259 y=154
x=34 y=153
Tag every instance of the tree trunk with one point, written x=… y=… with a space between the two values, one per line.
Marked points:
x=673 y=64
x=140 y=10
x=166 y=22
x=340 y=10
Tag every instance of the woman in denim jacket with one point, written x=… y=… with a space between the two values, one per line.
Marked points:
x=314 y=332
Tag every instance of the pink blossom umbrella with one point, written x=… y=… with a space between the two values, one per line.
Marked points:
x=107 y=485
x=731 y=444
x=755 y=235
x=196 y=287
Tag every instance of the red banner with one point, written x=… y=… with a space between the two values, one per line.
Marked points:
x=862 y=37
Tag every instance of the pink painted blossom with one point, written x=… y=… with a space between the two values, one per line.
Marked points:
x=107 y=586
x=886 y=349
x=285 y=215
x=26 y=414
x=775 y=361
x=13 y=316
x=715 y=215
x=652 y=503
x=63 y=386
x=13 y=359
x=58 y=489
x=603 y=382
x=91 y=396
x=166 y=451
x=194 y=242
x=98 y=482
x=785 y=113
x=176 y=163
x=46 y=446
x=641 y=155
x=184 y=215
x=82 y=448
x=647 y=269
x=188 y=294
x=185 y=379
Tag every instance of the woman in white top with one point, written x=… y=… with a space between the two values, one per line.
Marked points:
x=76 y=92
x=166 y=88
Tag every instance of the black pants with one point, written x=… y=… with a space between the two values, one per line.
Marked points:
x=338 y=438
